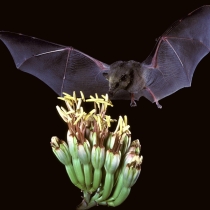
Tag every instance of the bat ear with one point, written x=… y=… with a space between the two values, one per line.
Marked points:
x=106 y=75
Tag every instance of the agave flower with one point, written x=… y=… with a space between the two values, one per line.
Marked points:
x=103 y=164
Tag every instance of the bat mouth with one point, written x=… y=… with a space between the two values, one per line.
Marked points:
x=111 y=93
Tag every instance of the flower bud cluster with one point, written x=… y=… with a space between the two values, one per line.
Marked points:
x=103 y=164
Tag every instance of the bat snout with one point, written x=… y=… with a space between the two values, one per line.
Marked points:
x=113 y=90
x=111 y=93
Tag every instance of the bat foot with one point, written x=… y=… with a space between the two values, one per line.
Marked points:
x=133 y=103
x=158 y=105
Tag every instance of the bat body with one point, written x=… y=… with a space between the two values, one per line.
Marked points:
x=171 y=64
x=168 y=68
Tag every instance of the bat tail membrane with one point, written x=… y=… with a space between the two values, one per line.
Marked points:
x=172 y=62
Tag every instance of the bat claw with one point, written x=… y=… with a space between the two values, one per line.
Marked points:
x=158 y=105
x=133 y=103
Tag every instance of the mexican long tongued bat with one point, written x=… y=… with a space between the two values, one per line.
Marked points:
x=168 y=68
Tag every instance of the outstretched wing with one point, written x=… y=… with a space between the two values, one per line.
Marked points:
x=177 y=53
x=62 y=68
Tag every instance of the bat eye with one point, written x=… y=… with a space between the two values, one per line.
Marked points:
x=116 y=85
x=123 y=77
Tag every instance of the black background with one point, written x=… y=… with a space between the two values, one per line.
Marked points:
x=174 y=140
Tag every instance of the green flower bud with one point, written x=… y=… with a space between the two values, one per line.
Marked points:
x=108 y=141
x=135 y=147
x=97 y=160
x=84 y=152
x=131 y=172
x=60 y=149
x=72 y=142
x=94 y=138
x=112 y=141
x=126 y=141
x=98 y=156
x=91 y=137
x=112 y=161
x=138 y=167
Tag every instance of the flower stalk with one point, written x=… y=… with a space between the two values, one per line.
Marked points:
x=103 y=164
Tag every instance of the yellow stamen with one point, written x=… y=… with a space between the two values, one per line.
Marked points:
x=90 y=114
x=117 y=127
x=125 y=120
x=105 y=97
x=70 y=112
x=63 y=109
x=79 y=103
x=99 y=122
x=69 y=106
x=82 y=96
x=99 y=100
x=92 y=99
x=69 y=97
x=61 y=98
x=108 y=120
x=95 y=117
x=74 y=95
x=121 y=124
x=80 y=115
x=96 y=95
x=126 y=128
x=62 y=114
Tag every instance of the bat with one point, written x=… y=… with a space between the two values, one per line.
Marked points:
x=168 y=68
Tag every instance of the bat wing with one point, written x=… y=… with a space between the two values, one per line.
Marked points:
x=62 y=68
x=171 y=64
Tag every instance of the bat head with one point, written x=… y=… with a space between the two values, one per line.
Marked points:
x=124 y=75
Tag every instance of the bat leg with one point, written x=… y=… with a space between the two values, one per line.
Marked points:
x=133 y=103
x=155 y=100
